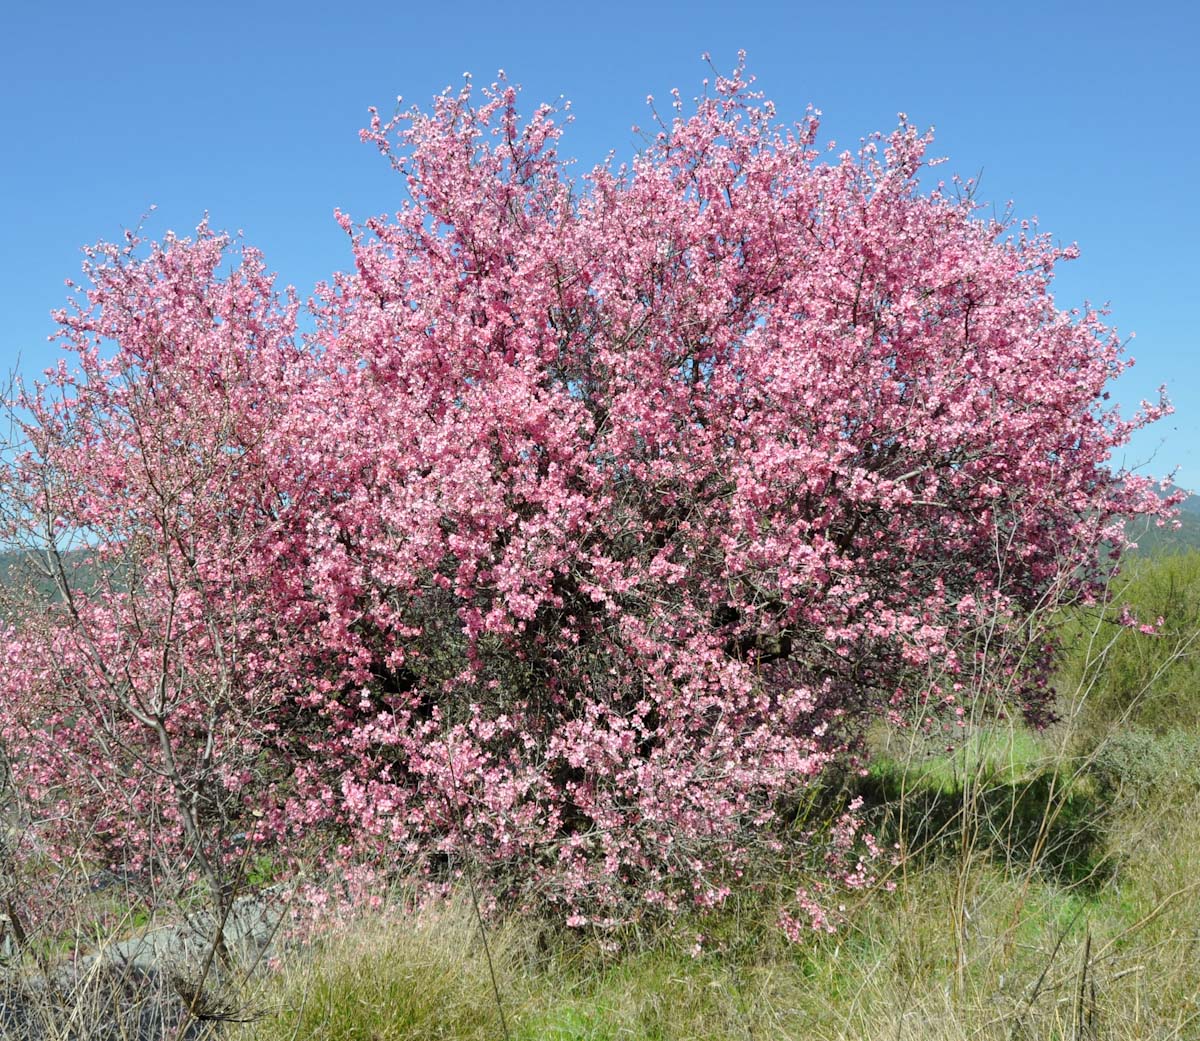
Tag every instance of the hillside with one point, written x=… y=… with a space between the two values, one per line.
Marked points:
x=1173 y=540
x=20 y=572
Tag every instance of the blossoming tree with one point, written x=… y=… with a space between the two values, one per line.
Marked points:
x=589 y=525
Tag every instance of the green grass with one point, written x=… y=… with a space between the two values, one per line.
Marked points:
x=1001 y=753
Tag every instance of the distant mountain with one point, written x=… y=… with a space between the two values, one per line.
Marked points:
x=18 y=572
x=23 y=575
x=1169 y=539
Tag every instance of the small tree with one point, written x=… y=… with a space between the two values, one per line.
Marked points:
x=593 y=521
x=140 y=694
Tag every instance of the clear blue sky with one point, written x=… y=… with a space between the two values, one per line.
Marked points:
x=1083 y=114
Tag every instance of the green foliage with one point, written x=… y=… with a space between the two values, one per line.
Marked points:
x=1137 y=765
x=889 y=972
x=425 y=978
x=1008 y=807
x=1002 y=754
x=261 y=872
x=1117 y=675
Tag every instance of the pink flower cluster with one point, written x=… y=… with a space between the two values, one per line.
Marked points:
x=591 y=521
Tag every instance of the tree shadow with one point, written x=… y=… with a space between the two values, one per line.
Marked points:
x=1041 y=821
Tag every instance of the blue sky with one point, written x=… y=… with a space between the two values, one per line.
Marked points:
x=1081 y=114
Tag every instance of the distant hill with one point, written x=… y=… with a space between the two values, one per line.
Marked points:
x=17 y=572
x=21 y=573
x=1168 y=539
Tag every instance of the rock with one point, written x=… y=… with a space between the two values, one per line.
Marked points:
x=136 y=989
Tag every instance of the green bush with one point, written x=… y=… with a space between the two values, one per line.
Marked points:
x=1135 y=765
x=1115 y=675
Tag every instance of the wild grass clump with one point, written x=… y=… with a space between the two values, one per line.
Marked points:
x=1137 y=765
x=1034 y=959
x=421 y=975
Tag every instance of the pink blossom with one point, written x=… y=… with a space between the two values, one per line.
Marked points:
x=589 y=524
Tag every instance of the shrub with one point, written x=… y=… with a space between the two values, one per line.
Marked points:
x=1138 y=764
x=592 y=520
